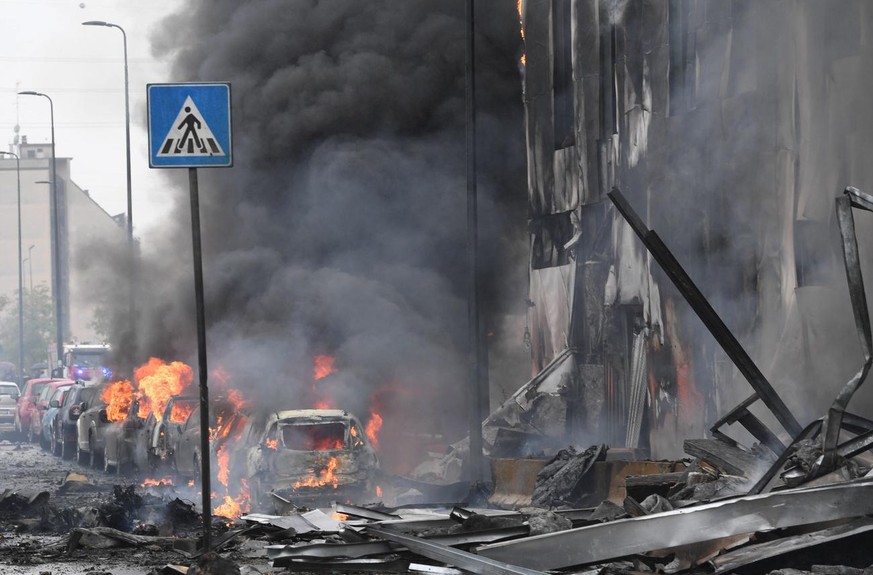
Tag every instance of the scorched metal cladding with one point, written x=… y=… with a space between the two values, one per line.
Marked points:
x=732 y=153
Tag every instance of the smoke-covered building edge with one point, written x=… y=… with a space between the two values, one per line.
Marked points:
x=714 y=120
x=84 y=225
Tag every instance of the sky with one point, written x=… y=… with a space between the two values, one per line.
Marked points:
x=44 y=48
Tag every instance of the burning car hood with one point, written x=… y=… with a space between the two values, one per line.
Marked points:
x=287 y=464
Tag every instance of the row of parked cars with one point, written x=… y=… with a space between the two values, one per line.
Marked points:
x=301 y=455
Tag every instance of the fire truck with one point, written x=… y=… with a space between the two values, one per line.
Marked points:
x=88 y=362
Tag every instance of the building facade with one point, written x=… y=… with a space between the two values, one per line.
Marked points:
x=82 y=224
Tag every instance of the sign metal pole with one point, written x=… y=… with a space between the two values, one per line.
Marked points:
x=205 y=478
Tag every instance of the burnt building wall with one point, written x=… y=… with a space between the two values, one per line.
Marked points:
x=730 y=126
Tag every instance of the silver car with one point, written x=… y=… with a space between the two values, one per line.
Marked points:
x=9 y=393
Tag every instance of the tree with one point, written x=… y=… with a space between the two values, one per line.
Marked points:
x=39 y=326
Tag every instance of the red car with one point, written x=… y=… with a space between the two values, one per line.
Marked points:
x=40 y=403
x=25 y=404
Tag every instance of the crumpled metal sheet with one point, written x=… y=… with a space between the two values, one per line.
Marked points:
x=624 y=537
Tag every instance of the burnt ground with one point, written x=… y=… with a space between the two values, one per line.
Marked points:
x=35 y=529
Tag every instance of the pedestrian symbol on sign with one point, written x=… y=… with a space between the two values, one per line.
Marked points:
x=190 y=135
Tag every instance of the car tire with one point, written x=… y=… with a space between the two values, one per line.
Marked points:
x=45 y=445
x=81 y=455
x=66 y=448
x=54 y=446
x=94 y=456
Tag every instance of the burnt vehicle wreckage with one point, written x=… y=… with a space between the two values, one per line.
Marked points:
x=799 y=497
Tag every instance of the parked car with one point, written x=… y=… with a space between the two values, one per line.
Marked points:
x=9 y=394
x=47 y=423
x=40 y=406
x=26 y=402
x=90 y=430
x=306 y=457
x=64 y=425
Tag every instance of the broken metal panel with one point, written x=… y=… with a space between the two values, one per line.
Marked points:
x=567 y=180
x=586 y=70
x=637 y=388
x=624 y=537
x=330 y=550
x=549 y=312
x=551 y=380
x=727 y=562
x=462 y=559
x=708 y=315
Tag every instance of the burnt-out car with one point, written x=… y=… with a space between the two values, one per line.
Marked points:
x=124 y=443
x=143 y=444
x=163 y=432
x=307 y=457
x=227 y=421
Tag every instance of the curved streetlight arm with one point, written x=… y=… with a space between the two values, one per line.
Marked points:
x=56 y=259
x=126 y=120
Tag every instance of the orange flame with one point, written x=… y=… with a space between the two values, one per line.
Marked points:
x=378 y=491
x=150 y=481
x=519 y=6
x=223 y=464
x=272 y=443
x=180 y=412
x=327 y=443
x=373 y=428
x=233 y=508
x=325 y=476
x=324 y=366
x=158 y=382
x=118 y=397
x=230 y=508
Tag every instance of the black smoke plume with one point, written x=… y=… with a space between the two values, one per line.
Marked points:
x=341 y=228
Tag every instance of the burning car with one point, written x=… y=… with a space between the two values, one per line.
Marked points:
x=307 y=457
x=227 y=419
x=164 y=430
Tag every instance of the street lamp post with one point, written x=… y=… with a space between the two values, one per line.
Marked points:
x=56 y=238
x=30 y=265
x=127 y=148
x=20 y=272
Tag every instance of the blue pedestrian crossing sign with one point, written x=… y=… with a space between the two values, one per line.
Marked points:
x=189 y=125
